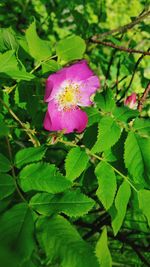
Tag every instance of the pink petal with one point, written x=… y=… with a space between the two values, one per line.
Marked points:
x=79 y=71
x=69 y=121
x=74 y=120
x=87 y=89
x=130 y=101
x=53 y=84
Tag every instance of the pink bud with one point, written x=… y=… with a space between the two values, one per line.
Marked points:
x=130 y=101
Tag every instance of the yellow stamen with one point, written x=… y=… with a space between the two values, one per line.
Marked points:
x=68 y=98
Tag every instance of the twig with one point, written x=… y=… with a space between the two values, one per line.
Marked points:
x=33 y=139
x=13 y=170
x=121 y=48
x=143 y=98
x=132 y=77
x=123 y=239
x=134 y=71
x=41 y=62
x=126 y=27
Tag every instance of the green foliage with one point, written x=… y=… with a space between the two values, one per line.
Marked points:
x=79 y=199
x=28 y=155
x=9 y=66
x=5 y=165
x=144 y=198
x=121 y=202
x=70 y=48
x=38 y=49
x=106 y=184
x=65 y=246
x=3 y=127
x=72 y=203
x=102 y=250
x=107 y=126
x=7 y=186
x=75 y=163
x=137 y=156
x=17 y=231
x=42 y=177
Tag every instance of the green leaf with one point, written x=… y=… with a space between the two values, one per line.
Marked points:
x=144 y=200
x=62 y=242
x=16 y=230
x=76 y=162
x=137 y=156
x=105 y=101
x=108 y=134
x=43 y=177
x=125 y=114
x=7 y=186
x=9 y=66
x=5 y=165
x=7 y=40
x=50 y=66
x=121 y=202
x=93 y=115
x=106 y=184
x=28 y=155
x=3 y=127
x=70 y=48
x=72 y=203
x=142 y=126
x=39 y=49
x=102 y=250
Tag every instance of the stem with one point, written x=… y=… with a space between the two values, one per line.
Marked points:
x=41 y=62
x=13 y=170
x=33 y=139
x=121 y=48
x=126 y=27
x=143 y=98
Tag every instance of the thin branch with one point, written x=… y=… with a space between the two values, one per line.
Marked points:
x=123 y=239
x=143 y=98
x=134 y=71
x=32 y=137
x=133 y=74
x=121 y=48
x=126 y=27
x=13 y=170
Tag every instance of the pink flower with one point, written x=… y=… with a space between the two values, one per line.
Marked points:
x=130 y=101
x=66 y=91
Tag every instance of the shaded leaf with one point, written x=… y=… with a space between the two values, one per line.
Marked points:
x=7 y=186
x=144 y=200
x=16 y=230
x=61 y=241
x=5 y=164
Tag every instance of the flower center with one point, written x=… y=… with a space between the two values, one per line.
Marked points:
x=68 y=97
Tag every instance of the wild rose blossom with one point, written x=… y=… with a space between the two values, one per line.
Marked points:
x=130 y=101
x=66 y=91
